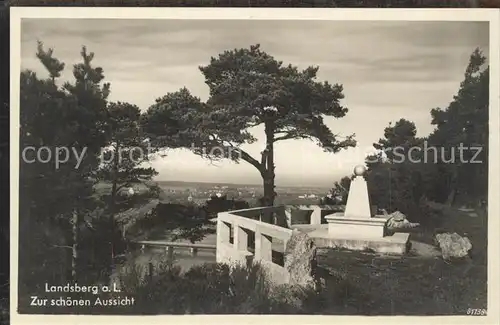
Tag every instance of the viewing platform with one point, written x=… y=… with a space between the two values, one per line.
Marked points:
x=254 y=235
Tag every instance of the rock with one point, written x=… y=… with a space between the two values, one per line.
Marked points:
x=300 y=259
x=453 y=245
x=398 y=216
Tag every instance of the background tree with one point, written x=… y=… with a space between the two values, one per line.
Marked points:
x=250 y=88
x=182 y=221
x=89 y=133
x=339 y=192
x=465 y=122
x=410 y=170
x=216 y=204
x=123 y=161
x=54 y=66
x=128 y=151
x=51 y=221
x=396 y=174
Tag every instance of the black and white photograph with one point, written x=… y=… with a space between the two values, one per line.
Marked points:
x=254 y=162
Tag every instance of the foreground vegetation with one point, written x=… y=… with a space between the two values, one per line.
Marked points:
x=359 y=283
x=210 y=289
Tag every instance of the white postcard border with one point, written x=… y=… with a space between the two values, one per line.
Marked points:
x=491 y=15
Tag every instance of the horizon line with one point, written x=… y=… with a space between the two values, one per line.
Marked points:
x=234 y=183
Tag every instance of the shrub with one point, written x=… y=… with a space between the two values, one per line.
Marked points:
x=186 y=220
x=100 y=242
x=205 y=289
x=216 y=204
x=216 y=288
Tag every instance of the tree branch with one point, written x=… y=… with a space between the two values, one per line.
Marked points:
x=288 y=136
x=242 y=153
x=61 y=246
x=249 y=159
x=121 y=186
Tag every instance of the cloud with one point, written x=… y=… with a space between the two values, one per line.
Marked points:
x=388 y=69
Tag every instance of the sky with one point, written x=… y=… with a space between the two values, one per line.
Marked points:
x=389 y=70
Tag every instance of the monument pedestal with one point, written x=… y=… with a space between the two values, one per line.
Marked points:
x=396 y=244
x=344 y=227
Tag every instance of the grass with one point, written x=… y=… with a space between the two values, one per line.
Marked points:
x=411 y=286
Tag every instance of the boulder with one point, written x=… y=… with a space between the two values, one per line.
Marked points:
x=398 y=220
x=453 y=245
x=300 y=260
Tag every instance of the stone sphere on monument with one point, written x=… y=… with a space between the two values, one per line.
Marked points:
x=359 y=170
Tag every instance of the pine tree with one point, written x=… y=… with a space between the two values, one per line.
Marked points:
x=71 y=117
x=122 y=163
x=250 y=88
x=465 y=123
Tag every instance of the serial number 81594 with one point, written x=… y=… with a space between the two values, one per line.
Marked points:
x=476 y=312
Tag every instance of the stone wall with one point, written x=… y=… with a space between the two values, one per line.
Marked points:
x=309 y=214
x=297 y=248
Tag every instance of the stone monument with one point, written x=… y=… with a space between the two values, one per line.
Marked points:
x=358 y=202
x=357 y=220
x=357 y=228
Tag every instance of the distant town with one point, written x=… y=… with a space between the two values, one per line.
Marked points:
x=199 y=192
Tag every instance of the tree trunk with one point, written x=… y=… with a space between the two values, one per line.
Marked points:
x=116 y=161
x=267 y=173
x=453 y=188
x=268 y=190
x=451 y=197
x=74 y=255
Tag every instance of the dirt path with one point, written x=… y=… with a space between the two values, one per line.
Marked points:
x=423 y=249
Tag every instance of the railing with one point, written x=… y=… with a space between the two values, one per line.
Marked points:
x=267 y=225
x=316 y=215
x=170 y=246
x=169 y=249
x=256 y=234
x=284 y=215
